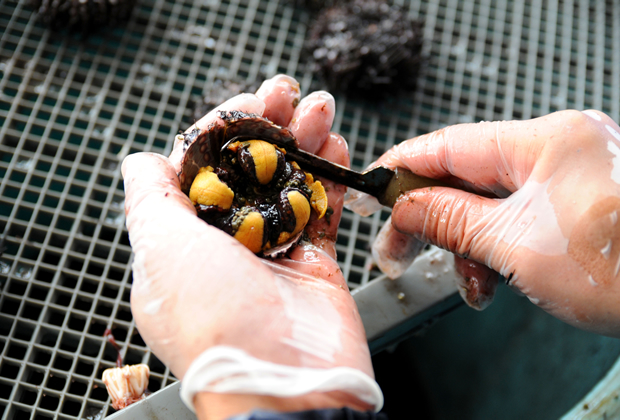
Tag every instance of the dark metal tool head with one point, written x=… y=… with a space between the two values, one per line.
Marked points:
x=383 y=183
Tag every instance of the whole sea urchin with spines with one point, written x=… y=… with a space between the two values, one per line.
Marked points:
x=82 y=15
x=366 y=45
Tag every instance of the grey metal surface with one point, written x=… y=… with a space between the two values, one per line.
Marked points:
x=165 y=404
x=72 y=108
x=394 y=309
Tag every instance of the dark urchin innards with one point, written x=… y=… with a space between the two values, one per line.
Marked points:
x=82 y=15
x=366 y=46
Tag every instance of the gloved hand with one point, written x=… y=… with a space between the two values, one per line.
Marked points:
x=287 y=328
x=543 y=209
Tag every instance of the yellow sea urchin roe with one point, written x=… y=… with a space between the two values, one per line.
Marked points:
x=318 y=201
x=301 y=209
x=265 y=160
x=208 y=190
x=250 y=233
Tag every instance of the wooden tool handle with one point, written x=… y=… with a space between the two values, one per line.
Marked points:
x=404 y=180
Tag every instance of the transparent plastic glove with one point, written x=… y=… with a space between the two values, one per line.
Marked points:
x=197 y=292
x=553 y=232
x=395 y=251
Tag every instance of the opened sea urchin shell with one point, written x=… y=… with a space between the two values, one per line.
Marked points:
x=240 y=181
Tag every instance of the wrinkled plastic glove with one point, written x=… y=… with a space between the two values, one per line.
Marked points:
x=226 y=320
x=543 y=209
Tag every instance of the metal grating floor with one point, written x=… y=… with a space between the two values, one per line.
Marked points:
x=72 y=108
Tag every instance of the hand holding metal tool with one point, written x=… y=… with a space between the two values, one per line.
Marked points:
x=551 y=225
x=383 y=183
